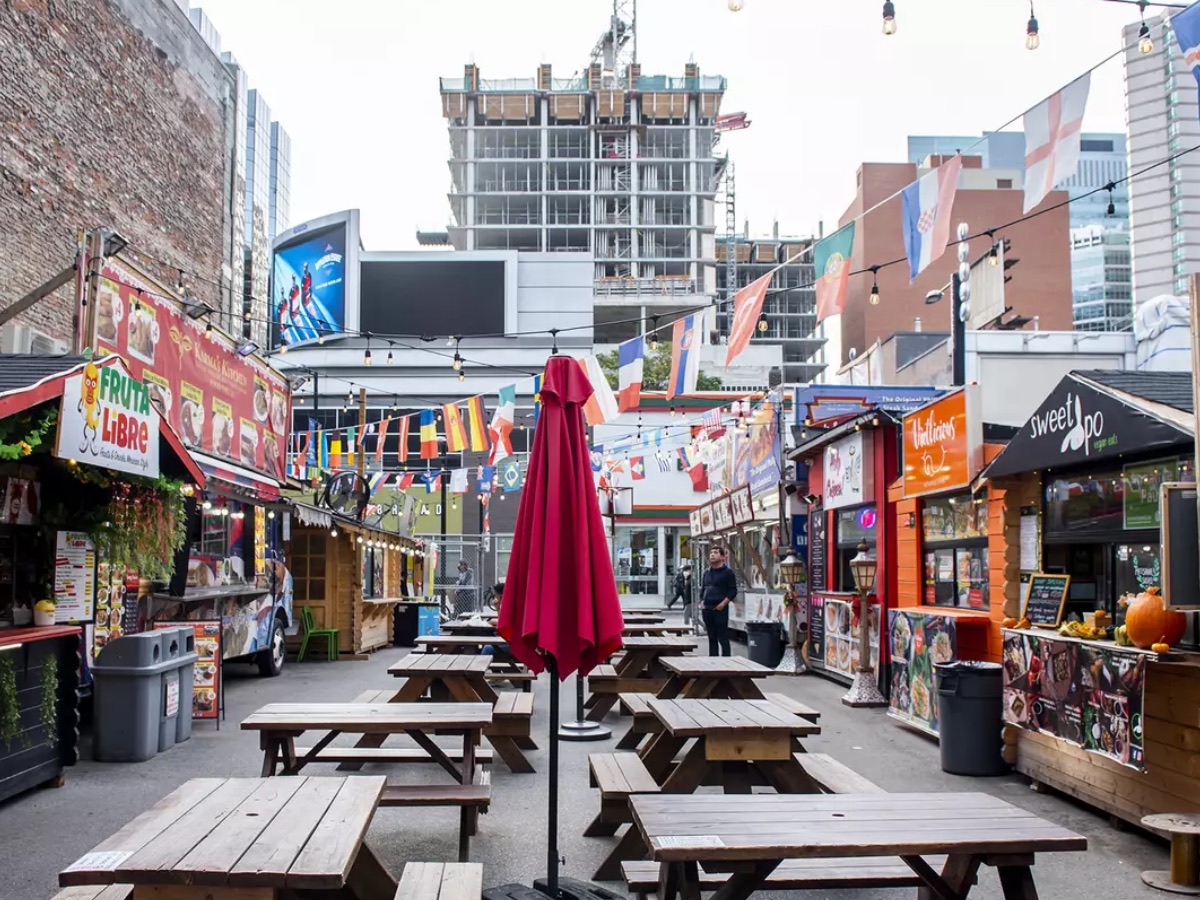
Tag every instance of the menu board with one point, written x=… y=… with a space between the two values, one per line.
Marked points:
x=206 y=678
x=723 y=515
x=816 y=549
x=1044 y=599
x=840 y=636
x=1180 y=539
x=112 y=586
x=221 y=404
x=693 y=521
x=74 y=577
x=706 y=519
x=743 y=505
x=918 y=641
x=816 y=631
x=1087 y=695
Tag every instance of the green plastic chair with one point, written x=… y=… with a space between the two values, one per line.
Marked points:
x=311 y=631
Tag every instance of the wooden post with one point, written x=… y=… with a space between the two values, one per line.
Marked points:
x=360 y=553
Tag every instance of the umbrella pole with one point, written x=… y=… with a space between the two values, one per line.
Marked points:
x=552 y=819
x=581 y=729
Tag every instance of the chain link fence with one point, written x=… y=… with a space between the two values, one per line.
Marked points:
x=467 y=567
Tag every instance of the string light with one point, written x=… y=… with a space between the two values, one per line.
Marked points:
x=1033 y=40
x=874 y=285
x=736 y=5
x=137 y=301
x=462 y=376
x=762 y=323
x=367 y=356
x=283 y=345
x=889 y=17
x=654 y=334
x=389 y=358
x=395 y=403
x=1112 y=207
x=458 y=360
x=1145 y=42
x=179 y=283
x=208 y=329
x=994 y=253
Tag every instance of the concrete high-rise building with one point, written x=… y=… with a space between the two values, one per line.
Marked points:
x=279 y=194
x=612 y=162
x=205 y=26
x=790 y=306
x=1102 y=161
x=1164 y=201
x=257 y=248
x=1101 y=279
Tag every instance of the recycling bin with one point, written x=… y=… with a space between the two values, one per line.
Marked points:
x=970 y=707
x=764 y=641
x=142 y=688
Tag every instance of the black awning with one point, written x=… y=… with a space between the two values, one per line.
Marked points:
x=1083 y=421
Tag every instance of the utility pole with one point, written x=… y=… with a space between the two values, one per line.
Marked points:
x=958 y=332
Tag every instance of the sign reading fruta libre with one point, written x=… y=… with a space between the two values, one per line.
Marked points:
x=943 y=444
x=106 y=419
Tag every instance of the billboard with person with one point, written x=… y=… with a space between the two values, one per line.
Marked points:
x=314 y=278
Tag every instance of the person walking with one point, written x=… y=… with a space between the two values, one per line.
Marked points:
x=718 y=587
x=681 y=589
x=464 y=594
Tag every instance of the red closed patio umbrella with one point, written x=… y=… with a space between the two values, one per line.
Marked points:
x=560 y=612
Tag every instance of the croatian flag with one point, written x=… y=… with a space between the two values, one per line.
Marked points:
x=1186 y=25
x=685 y=355
x=928 y=203
x=630 y=363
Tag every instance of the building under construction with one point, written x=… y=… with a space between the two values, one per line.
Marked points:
x=609 y=162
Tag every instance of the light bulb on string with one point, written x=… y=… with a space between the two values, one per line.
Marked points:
x=889 y=18
x=1112 y=207
x=389 y=358
x=283 y=346
x=458 y=361
x=1033 y=39
x=367 y=357
x=874 y=285
x=654 y=334
x=462 y=376
x=762 y=323
x=736 y=5
x=994 y=253
x=1145 y=42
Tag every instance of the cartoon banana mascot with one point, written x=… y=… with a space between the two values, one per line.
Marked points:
x=89 y=405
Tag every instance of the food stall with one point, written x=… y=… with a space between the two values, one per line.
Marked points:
x=88 y=468
x=1093 y=708
x=232 y=411
x=350 y=574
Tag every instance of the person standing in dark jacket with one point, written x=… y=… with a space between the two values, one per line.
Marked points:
x=718 y=587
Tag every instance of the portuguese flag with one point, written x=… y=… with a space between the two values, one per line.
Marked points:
x=831 y=262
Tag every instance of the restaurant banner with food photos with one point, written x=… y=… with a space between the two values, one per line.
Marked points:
x=837 y=636
x=919 y=641
x=227 y=406
x=1083 y=694
x=206 y=677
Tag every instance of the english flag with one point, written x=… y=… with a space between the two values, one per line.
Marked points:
x=685 y=355
x=631 y=358
x=927 y=204
x=1053 y=130
x=747 y=307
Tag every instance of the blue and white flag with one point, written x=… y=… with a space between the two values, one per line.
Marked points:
x=685 y=355
x=1186 y=25
x=927 y=204
x=487 y=475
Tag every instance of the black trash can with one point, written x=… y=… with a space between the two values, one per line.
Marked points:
x=970 y=707
x=765 y=643
x=405 y=632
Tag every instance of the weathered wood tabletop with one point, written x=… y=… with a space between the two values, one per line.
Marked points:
x=701 y=677
x=246 y=839
x=750 y=836
x=650 y=629
x=458 y=643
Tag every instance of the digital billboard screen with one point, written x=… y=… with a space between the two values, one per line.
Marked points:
x=411 y=296
x=308 y=287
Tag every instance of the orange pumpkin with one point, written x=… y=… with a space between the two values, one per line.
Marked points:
x=1010 y=622
x=1149 y=622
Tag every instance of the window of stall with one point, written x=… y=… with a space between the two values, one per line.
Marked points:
x=954 y=543
x=637 y=552
x=853 y=527
x=223 y=546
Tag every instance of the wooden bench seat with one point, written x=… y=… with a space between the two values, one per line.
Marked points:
x=440 y=881
x=637 y=706
x=833 y=777
x=603 y=682
x=511 y=730
x=96 y=892
x=473 y=799
x=483 y=756
x=375 y=695
x=795 y=707
x=618 y=776
x=797 y=875
x=523 y=677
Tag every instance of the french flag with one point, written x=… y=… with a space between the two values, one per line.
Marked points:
x=685 y=355
x=630 y=363
x=928 y=203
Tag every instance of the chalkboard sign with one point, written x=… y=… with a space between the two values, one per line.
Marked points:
x=1044 y=599
x=816 y=551
x=1180 y=546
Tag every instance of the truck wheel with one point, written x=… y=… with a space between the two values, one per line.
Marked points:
x=270 y=661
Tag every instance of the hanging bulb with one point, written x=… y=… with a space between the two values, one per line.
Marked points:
x=462 y=376
x=736 y=5
x=762 y=324
x=994 y=255
x=179 y=283
x=247 y=316
x=389 y=358
x=672 y=412
x=137 y=301
x=1032 y=39
x=367 y=358
x=1145 y=42
x=283 y=347
x=320 y=337
x=654 y=334
x=875 y=293
x=208 y=328
x=458 y=361
x=395 y=403
x=889 y=17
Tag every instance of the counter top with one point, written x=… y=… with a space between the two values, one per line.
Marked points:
x=10 y=636
x=970 y=616
x=1049 y=634
x=195 y=595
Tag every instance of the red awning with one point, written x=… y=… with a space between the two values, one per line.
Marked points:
x=50 y=387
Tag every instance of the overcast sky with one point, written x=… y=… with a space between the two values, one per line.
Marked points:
x=355 y=83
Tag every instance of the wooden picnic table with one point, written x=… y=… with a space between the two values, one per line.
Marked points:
x=458 y=643
x=748 y=837
x=246 y=839
x=479 y=628
x=644 y=618
x=654 y=629
x=637 y=670
x=724 y=677
x=733 y=742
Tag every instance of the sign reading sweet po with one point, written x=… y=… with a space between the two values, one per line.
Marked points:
x=943 y=444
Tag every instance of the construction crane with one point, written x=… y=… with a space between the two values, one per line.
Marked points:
x=617 y=48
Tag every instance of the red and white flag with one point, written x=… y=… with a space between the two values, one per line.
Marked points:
x=1053 y=130
x=747 y=307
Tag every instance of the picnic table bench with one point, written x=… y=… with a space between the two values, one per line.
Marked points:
x=243 y=839
x=748 y=838
x=654 y=629
x=700 y=677
x=637 y=706
x=440 y=881
x=279 y=724
x=458 y=643
x=635 y=671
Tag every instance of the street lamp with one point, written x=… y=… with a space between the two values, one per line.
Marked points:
x=791 y=573
x=864 y=691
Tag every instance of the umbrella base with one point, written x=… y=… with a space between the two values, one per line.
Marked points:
x=583 y=730
x=568 y=889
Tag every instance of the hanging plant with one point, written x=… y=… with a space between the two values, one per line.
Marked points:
x=10 y=712
x=49 y=707
x=146 y=526
x=21 y=434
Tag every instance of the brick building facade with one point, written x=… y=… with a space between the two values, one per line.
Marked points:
x=113 y=113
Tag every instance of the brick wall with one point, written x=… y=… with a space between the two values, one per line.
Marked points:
x=112 y=112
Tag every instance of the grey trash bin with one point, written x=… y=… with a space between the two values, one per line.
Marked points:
x=138 y=695
x=970 y=698
x=764 y=643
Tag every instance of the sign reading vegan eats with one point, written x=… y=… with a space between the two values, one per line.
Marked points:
x=1044 y=599
x=943 y=444
x=106 y=419
x=221 y=404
